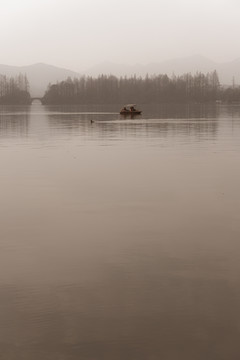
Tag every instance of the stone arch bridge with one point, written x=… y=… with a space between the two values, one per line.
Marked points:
x=36 y=99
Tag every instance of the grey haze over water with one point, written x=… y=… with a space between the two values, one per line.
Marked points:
x=79 y=34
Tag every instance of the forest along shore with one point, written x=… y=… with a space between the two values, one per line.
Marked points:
x=14 y=90
x=187 y=88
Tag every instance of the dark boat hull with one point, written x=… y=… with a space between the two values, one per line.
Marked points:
x=131 y=112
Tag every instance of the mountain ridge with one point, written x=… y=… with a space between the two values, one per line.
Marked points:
x=177 y=66
x=41 y=74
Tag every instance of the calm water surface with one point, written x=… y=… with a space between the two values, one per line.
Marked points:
x=120 y=238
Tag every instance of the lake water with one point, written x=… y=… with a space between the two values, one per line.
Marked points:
x=120 y=238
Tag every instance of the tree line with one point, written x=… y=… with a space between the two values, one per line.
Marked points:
x=14 y=90
x=112 y=90
x=151 y=89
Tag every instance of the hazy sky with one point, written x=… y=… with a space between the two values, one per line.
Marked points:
x=80 y=33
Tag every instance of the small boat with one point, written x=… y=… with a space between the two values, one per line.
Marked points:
x=130 y=110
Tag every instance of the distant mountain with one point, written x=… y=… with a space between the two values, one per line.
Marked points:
x=39 y=75
x=179 y=66
x=229 y=71
x=108 y=68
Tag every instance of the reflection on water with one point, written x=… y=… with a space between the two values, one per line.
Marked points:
x=119 y=237
x=14 y=121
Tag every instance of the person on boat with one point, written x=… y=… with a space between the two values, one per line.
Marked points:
x=132 y=108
